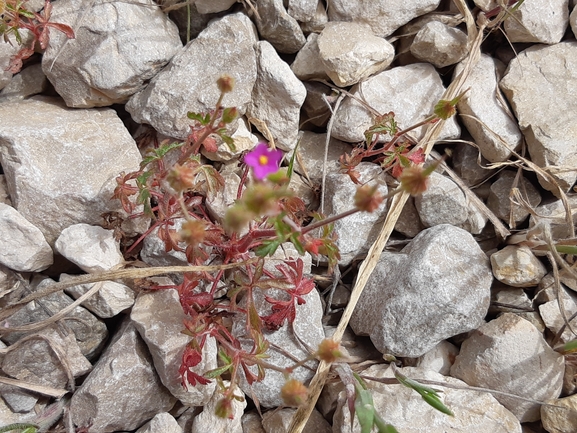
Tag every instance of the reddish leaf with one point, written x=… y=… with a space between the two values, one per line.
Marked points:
x=191 y=358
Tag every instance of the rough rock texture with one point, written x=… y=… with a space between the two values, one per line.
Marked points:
x=509 y=354
x=117 y=48
x=70 y=178
x=517 y=266
x=308 y=64
x=123 y=391
x=164 y=104
x=402 y=407
x=162 y=422
x=439 y=44
x=277 y=97
x=350 y=52
x=30 y=81
x=279 y=422
x=409 y=91
x=542 y=22
x=92 y=248
x=278 y=27
x=357 y=232
x=22 y=245
x=207 y=421
x=496 y=131
x=441 y=277
x=499 y=197
x=560 y=419
x=546 y=118
x=158 y=317
x=383 y=17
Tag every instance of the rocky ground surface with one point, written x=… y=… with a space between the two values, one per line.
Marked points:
x=464 y=292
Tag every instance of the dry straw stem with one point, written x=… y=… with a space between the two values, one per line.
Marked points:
x=475 y=35
x=40 y=389
x=134 y=273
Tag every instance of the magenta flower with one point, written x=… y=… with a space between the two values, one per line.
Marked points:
x=263 y=160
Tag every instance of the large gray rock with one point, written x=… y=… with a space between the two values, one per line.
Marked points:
x=441 y=277
x=410 y=92
x=117 y=48
x=30 y=81
x=188 y=83
x=208 y=421
x=497 y=133
x=509 y=354
x=159 y=318
x=499 y=197
x=276 y=26
x=541 y=22
x=440 y=44
x=277 y=97
x=477 y=412
x=70 y=178
x=308 y=64
x=123 y=391
x=22 y=245
x=546 y=117
x=351 y=52
x=384 y=17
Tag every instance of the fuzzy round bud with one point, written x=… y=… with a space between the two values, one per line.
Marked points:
x=329 y=350
x=225 y=83
x=181 y=177
x=224 y=408
x=193 y=232
x=414 y=180
x=367 y=198
x=294 y=393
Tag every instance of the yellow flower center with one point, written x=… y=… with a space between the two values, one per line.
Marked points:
x=263 y=160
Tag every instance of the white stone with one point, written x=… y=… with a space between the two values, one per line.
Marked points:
x=111 y=299
x=496 y=133
x=499 y=197
x=317 y=22
x=405 y=409
x=517 y=266
x=161 y=423
x=207 y=421
x=22 y=245
x=278 y=27
x=410 y=92
x=543 y=22
x=116 y=50
x=553 y=318
x=440 y=358
x=213 y=6
x=492 y=356
x=350 y=52
x=573 y=21
x=441 y=277
x=70 y=178
x=563 y=417
x=553 y=212
x=219 y=203
x=278 y=421
x=92 y=248
x=303 y=10
x=546 y=117
x=277 y=97
x=30 y=81
x=158 y=317
x=440 y=44
x=196 y=69
x=243 y=139
x=8 y=49
x=307 y=64
x=383 y=17
x=123 y=391
x=356 y=232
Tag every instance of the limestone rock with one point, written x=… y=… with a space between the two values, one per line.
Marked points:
x=545 y=118
x=315 y=109
x=553 y=318
x=350 y=52
x=517 y=266
x=383 y=17
x=71 y=177
x=277 y=97
x=491 y=357
x=278 y=27
x=213 y=6
x=308 y=64
x=318 y=20
x=278 y=421
x=562 y=418
x=303 y=10
x=409 y=91
x=196 y=69
x=409 y=222
x=441 y=277
x=30 y=81
x=357 y=232
x=500 y=203
x=111 y=299
x=440 y=44
x=496 y=133
x=22 y=245
x=207 y=421
x=541 y=22
x=244 y=141
x=474 y=411
x=117 y=48
x=162 y=422
x=92 y=248
x=8 y=49
x=439 y=359
x=573 y=21
x=158 y=316
x=123 y=391
x=467 y=165
x=553 y=211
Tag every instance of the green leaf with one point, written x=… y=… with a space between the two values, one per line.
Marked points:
x=268 y=247
x=156 y=154
x=294 y=238
x=428 y=394
x=229 y=142
x=570 y=347
x=229 y=114
x=212 y=374
x=292 y=160
x=199 y=117
x=20 y=427
x=566 y=249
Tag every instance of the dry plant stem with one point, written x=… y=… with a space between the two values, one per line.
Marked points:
x=40 y=389
x=327 y=141
x=113 y=275
x=303 y=412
